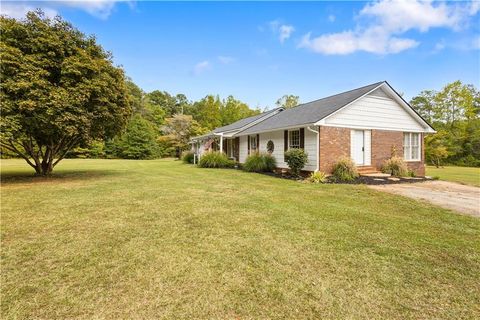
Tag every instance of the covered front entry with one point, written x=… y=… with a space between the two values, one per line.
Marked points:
x=231 y=147
x=360 y=147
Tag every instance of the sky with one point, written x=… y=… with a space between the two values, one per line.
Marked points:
x=259 y=51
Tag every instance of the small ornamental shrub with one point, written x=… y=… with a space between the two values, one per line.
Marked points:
x=259 y=162
x=317 y=177
x=188 y=156
x=345 y=170
x=411 y=173
x=395 y=166
x=296 y=160
x=215 y=159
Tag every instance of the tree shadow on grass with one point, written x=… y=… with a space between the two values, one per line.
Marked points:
x=63 y=176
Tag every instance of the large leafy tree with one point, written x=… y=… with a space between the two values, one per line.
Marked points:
x=233 y=110
x=59 y=89
x=138 y=141
x=178 y=130
x=288 y=101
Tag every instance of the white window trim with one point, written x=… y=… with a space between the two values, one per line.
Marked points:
x=289 y=142
x=410 y=146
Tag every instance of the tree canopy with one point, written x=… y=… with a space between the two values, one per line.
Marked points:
x=59 y=89
x=288 y=101
x=454 y=112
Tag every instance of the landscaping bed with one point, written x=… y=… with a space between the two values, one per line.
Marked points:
x=370 y=180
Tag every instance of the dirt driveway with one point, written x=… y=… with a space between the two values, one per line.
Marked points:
x=450 y=195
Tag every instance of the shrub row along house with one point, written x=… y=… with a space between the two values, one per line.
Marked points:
x=368 y=124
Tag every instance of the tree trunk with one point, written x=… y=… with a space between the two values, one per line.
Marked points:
x=43 y=162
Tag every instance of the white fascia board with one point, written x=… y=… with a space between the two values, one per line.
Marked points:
x=408 y=108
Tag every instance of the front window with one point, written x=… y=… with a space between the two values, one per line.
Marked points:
x=294 y=139
x=411 y=146
x=253 y=143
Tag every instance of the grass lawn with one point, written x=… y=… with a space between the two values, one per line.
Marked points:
x=160 y=239
x=463 y=175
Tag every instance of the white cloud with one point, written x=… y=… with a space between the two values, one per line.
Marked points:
x=98 y=8
x=201 y=67
x=285 y=32
x=347 y=42
x=226 y=59
x=387 y=21
x=19 y=10
x=331 y=18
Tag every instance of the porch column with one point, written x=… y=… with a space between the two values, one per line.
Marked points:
x=221 y=142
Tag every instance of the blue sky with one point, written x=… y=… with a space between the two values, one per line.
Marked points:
x=258 y=51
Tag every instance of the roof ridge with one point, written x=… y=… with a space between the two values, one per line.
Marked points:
x=337 y=94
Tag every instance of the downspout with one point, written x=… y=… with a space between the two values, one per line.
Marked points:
x=318 y=146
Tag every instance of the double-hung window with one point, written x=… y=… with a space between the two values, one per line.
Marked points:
x=294 y=139
x=411 y=146
x=253 y=143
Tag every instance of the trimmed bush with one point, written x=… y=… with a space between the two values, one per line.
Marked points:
x=260 y=162
x=395 y=166
x=215 y=159
x=187 y=156
x=296 y=160
x=345 y=170
x=317 y=177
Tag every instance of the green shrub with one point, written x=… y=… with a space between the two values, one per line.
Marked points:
x=345 y=170
x=260 y=162
x=215 y=159
x=411 y=173
x=188 y=156
x=296 y=160
x=395 y=166
x=317 y=177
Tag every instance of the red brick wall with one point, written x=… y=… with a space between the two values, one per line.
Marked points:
x=382 y=143
x=335 y=142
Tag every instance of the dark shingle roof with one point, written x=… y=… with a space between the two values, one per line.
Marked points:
x=242 y=122
x=310 y=112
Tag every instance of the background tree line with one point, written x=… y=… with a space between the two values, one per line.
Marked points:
x=454 y=112
x=161 y=124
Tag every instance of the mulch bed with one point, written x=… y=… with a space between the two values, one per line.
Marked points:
x=360 y=180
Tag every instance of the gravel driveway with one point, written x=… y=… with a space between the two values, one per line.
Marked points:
x=450 y=195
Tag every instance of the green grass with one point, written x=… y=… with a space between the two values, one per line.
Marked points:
x=464 y=175
x=161 y=239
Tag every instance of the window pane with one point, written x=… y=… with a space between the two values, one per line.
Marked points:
x=406 y=139
x=294 y=139
x=414 y=139
x=406 y=146
x=415 y=153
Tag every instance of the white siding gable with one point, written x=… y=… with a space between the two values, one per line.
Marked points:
x=375 y=111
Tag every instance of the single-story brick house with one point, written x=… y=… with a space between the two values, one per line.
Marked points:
x=366 y=124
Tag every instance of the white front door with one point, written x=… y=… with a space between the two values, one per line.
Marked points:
x=358 y=147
